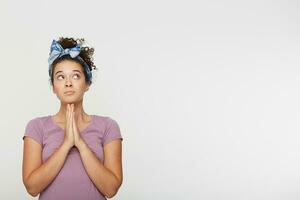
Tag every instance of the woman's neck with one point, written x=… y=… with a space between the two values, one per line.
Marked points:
x=80 y=115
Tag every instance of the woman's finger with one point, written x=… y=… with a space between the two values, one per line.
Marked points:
x=73 y=122
x=66 y=121
x=67 y=115
x=70 y=118
x=72 y=111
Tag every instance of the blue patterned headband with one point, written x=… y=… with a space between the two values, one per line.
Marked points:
x=57 y=51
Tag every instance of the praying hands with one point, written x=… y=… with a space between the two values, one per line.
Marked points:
x=72 y=135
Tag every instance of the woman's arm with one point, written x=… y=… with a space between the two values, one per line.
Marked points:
x=108 y=176
x=37 y=176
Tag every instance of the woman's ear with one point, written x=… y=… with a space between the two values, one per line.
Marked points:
x=53 y=90
x=87 y=87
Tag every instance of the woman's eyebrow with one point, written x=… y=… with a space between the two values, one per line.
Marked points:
x=57 y=72
x=75 y=70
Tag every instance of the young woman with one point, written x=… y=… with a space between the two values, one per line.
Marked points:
x=72 y=155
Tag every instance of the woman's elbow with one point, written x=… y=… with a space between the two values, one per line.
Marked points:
x=114 y=190
x=111 y=194
x=33 y=194
x=30 y=190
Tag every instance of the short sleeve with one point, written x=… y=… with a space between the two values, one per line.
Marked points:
x=112 y=131
x=34 y=130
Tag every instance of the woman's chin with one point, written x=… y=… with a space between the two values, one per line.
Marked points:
x=69 y=101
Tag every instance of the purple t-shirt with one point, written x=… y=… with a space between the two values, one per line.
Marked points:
x=72 y=182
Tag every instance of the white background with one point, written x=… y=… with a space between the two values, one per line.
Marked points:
x=206 y=93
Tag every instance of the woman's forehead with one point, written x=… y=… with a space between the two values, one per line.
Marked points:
x=68 y=66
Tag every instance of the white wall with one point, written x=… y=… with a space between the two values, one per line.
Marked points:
x=206 y=93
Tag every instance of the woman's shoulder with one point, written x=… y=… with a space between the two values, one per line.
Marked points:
x=39 y=120
x=104 y=119
x=110 y=127
x=35 y=128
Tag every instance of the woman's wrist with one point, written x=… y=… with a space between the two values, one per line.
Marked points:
x=80 y=144
x=66 y=145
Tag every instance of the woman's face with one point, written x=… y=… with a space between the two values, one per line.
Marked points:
x=68 y=76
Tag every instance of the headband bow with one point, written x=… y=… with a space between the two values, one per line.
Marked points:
x=57 y=51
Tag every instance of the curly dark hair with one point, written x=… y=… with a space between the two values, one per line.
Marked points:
x=86 y=53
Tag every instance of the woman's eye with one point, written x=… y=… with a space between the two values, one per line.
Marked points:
x=77 y=75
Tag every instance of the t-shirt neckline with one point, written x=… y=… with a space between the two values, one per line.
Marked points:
x=84 y=130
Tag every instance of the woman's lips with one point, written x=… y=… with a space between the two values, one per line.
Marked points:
x=69 y=93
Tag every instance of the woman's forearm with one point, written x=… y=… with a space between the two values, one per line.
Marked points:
x=40 y=178
x=106 y=182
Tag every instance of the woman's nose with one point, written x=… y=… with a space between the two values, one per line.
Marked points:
x=68 y=82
